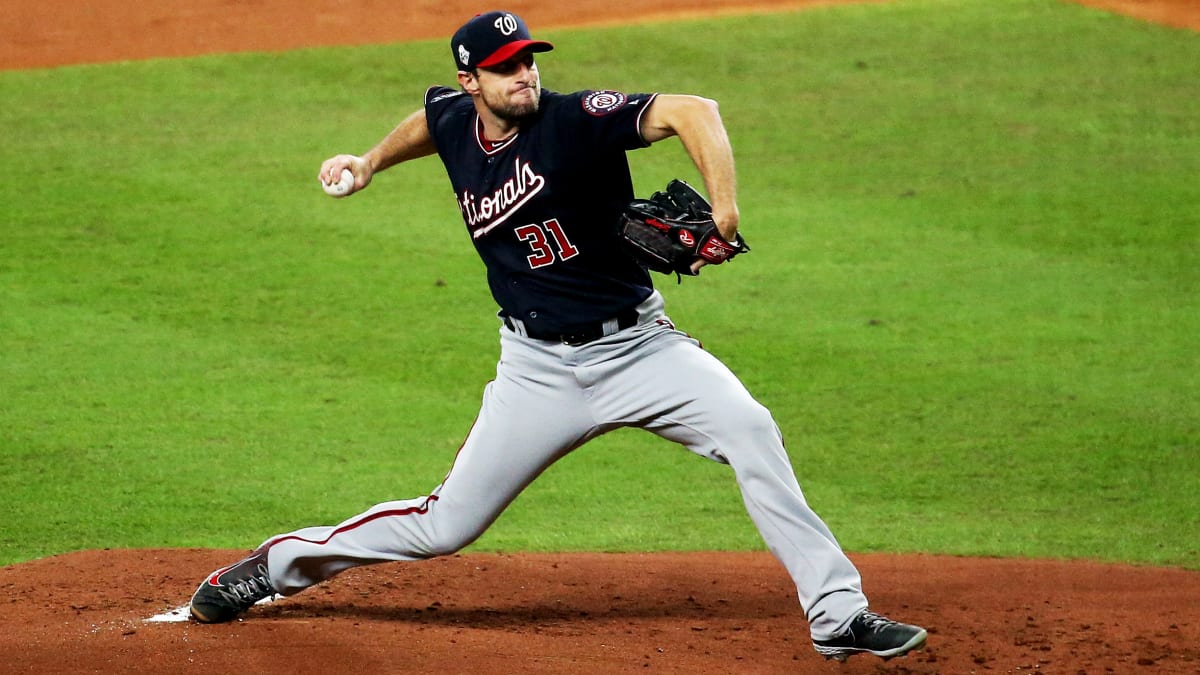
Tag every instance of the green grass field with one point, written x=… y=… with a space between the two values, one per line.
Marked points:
x=972 y=302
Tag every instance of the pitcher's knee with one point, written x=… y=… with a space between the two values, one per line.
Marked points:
x=446 y=540
x=755 y=421
x=450 y=530
x=741 y=431
x=441 y=547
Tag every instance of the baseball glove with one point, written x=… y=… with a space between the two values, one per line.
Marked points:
x=674 y=227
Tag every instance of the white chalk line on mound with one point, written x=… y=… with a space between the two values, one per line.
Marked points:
x=180 y=614
x=177 y=614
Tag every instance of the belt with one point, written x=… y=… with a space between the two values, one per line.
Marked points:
x=581 y=334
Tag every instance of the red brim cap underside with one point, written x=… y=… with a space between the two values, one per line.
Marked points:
x=507 y=51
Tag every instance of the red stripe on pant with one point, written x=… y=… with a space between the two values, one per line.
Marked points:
x=416 y=510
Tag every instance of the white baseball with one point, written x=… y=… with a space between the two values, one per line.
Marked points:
x=342 y=187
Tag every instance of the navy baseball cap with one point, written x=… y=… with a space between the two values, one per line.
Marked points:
x=492 y=38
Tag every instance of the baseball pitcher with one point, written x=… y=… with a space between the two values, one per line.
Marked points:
x=543 y=184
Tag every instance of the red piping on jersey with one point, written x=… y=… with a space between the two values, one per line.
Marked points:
x=490 y=147
x=641 y=114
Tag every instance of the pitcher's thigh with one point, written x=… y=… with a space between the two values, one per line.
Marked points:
x=517 y=435
x=689 y=396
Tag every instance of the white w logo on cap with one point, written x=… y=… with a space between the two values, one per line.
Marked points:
x=506 y=24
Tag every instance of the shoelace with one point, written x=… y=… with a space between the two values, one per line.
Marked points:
x=873 y=621
x=253 y=588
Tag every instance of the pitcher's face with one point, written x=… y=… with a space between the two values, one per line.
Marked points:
x=511 y=89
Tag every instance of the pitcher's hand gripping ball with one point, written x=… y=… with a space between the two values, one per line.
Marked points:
x=342 y=187
x=674 y=227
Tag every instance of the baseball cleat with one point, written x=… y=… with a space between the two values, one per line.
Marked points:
x=229 y=591
x=870 y=633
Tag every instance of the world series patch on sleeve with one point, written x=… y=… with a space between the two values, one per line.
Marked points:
x=674 y=227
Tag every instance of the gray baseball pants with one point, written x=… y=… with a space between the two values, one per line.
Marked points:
x=550 y=398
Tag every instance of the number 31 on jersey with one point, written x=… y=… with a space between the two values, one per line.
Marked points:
x=548 y=241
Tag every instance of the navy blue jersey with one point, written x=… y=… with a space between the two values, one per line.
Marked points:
x=542 y=206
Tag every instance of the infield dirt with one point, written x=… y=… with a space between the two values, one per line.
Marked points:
x=543 y=613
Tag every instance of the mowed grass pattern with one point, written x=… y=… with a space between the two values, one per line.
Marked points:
x=971 y=303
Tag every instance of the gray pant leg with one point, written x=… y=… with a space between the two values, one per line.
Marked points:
x=688 y=396
x=521 y=430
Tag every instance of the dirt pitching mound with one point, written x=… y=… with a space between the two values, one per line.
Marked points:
x=594 y=613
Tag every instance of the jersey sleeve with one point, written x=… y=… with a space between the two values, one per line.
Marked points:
x=438 y=101
x=609 y=119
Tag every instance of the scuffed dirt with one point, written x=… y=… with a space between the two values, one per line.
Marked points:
x=595 y=613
